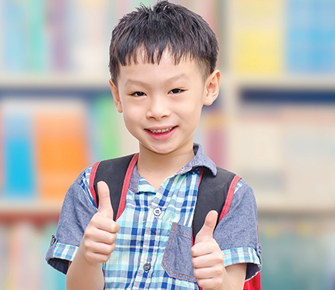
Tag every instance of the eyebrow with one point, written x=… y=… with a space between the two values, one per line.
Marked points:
x=170 y=80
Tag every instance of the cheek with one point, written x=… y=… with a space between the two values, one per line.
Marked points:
x=132 y=118
x=189 y=112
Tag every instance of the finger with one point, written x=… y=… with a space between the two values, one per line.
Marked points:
x=100 y=222
x=101 y=236
x=105 y=205
x=204 y=273
x=206 y=232
x=204 y=248
x=208 y=260
x=100 y=253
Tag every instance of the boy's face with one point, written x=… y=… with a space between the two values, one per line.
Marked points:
x=161 y=103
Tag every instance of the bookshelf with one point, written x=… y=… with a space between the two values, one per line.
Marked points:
x=269 y=50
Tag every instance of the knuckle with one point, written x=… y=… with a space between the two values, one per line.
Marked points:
x=115 y=227
x=88 y=232
x=202 y=283
x=220 y=259
x=90 y=256
x=111 y=239
x=195 y=263
x=217 y=271
x=196 y=273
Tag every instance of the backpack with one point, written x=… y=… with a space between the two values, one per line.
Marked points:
x=213 y=193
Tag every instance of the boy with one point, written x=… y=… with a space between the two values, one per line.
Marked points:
x=162 y=65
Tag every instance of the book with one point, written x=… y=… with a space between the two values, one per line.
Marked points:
x=258 y=34
x=37 y=40
x=61 y=142
x=310 y=37
x=15 y=35
x=106 y=121
x=90 y=37
x=17 y=151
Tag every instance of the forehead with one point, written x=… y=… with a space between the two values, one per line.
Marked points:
x=166 y=67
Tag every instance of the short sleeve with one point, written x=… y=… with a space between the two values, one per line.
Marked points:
x=237 y=233
x=77 y=211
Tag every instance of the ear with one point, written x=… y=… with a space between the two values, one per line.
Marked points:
x=212 y=87
x=116 y=96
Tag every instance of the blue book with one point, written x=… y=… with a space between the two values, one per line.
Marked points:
x=18 y=160
x=15 y=35
x=310 y=36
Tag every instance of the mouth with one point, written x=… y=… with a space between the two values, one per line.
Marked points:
x=161 y=134
x=160 y=131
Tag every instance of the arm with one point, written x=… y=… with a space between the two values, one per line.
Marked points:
x=85 y=272
x=208 y=261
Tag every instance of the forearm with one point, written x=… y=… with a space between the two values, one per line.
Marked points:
x=84 y=275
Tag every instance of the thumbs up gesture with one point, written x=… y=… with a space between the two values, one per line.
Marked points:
x=207 y=256
x=100 y=234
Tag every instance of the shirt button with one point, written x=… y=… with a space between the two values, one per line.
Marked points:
x=53 y=240
x=147 y=267
x=157 y=211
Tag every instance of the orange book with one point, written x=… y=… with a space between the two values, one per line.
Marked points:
x=61 y=150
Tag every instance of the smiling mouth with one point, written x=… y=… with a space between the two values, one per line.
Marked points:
x=160 y=131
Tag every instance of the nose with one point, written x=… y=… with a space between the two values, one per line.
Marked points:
x=158 y=108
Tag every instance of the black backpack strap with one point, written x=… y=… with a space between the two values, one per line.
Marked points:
x=212 y=192
x=113 y=172
x=212 y=195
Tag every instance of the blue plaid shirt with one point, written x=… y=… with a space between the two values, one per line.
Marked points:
x=153 y=244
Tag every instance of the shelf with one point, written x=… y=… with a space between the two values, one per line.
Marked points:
x=287 y=207
x=287 y=81
x=55 y=80
x=34 y=212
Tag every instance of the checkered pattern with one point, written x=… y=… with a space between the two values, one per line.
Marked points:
x=240 y=255
x=145 y=227
x=144 y=231
x=65 y=252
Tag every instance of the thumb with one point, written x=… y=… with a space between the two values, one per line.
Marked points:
x=206 y=232
x=105 y=205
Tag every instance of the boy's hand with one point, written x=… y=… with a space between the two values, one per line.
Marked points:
x=207 y=256
x=100 y=234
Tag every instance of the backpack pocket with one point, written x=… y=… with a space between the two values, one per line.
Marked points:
x=177 y=259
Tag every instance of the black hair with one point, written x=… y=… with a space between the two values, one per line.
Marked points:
x=166 y=25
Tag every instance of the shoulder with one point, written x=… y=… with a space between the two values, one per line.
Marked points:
x=238 y=226
x=244 y=195
x=80 y=191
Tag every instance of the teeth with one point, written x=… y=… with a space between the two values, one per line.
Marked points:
x=161 y=131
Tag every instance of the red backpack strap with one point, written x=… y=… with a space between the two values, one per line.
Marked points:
x=254 y=283
x=91 y=184
x=230 y=196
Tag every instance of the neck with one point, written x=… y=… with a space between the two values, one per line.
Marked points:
x=156 y=167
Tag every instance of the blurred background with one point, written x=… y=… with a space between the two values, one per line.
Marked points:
x=273 y=124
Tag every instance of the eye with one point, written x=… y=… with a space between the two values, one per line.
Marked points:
x=138 y=94
x=176 y=91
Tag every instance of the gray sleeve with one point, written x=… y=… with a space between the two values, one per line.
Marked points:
x=237 y=232
x=76 y=213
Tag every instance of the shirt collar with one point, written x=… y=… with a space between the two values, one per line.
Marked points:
x=199 y=160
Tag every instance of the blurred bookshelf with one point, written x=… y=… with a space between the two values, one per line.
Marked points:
x=273 y=123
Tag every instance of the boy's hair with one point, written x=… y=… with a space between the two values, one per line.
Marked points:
x=166 y=25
